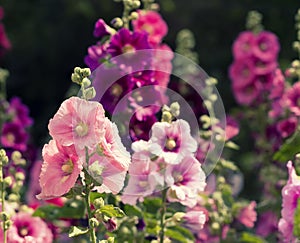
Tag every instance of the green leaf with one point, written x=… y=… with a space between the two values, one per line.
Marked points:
x=111 y=211
x=296 y=229
x=250 y=238
x=75 y=231
x=180 y=234
x=288 y=150
x=152 y=205
x=133 y=211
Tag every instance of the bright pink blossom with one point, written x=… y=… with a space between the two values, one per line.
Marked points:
x=28 y=229
x=14 y=136
x=78 y=122
x=287 y=126
x=102 y=29
x=60 y=170
x=290 y=195
x=266 y=46
x=185 y=180
x=153 y=24
x=174 y=140
x=248 y=215
x=243 y=45
x=293 y=98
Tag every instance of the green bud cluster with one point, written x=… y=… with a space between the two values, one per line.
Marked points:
x=253 y=22
x=80 y=76
x=170 y=113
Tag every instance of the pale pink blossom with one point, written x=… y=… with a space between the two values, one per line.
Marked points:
x=185 y=180
x=78 y=122
x=27 y=229
x=194 y=220
x=153 y=24
x=60 y=170
x=174 y=141
x=248 y=215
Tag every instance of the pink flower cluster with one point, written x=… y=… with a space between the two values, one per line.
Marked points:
x=147 y=34
x=166 y=160
x=80 y=126
x=253 y=69
x=290 y=195
x=4 y=41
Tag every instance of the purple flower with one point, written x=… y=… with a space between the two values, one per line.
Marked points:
x=243 y=45
x=125 y=41
x=267 y=224
x=96 y=54
x=287 y=127
x=19 y=112
x=247 y=95
x=241 y=72
x=293 y=98
x=140 y=128
x=262 y=67
x=185 y=180
x=266 y=46
x=102 y=29
x=14 y=136
x=26 y=228
x=174 y=141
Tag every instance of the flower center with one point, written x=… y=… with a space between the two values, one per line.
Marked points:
x=81 y=129
x=116 y=90
x=178 y=178
x=10 y=138
x=143 y=184
x=148 y=28
x=67 y=167
x=170 y=144
x=128 y=49
x=263 y=46
x=23 y=231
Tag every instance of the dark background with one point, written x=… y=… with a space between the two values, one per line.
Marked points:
x=50 y=38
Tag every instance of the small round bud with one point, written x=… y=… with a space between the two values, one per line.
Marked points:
x=94 y=223
x=7 y=224
x=7 y=181
x=166 y=117
x=75 y=77
x=77 y=70
x=117 y=23
x=124 y=230
x=221 y=180
x=4 y=216
x=215 y=226
x=135 y=4
x=13 y=197
x=296 y=64
x=90 y=93
x=86 y=82
x=134 y=15
x=98 y=202
x=175 y=109
x=20 y=176
x=177 y=217
x=86 y=72
x=154 y=6
x=111 y=239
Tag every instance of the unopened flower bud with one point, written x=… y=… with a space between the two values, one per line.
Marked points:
x=90 y=93
x=111 y=240
x=154 y=6
x=296 y=64
x=94 y=223
x=166 y=117
x=111 y=224
x=134 y=16
x=135 y=4
x=85 y=72
x=13 y=197
x=98 y=202
x=7 y=181
x=3 y=158
x=75 y=77
x=77 y=70
x=86 y=82
x=177 y=217
x=117 y=23
x=20 y=176
x=175 y=109
x=4 y=216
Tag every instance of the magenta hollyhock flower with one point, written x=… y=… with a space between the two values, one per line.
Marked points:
x=96 y=55
x=267 y=224
x=28 y=229
x=266 y=46
x=264 y=82
x=125 y=41
x=290 y=195
x=246 y=95
x=4 y=41
x=78 y=122
x=293 y=98
x=243 y=45
x=194 y=220
x=174 y=141
x=241 y=72
x=247 y=216
x=14 y=136
x=232 y=128
x=287 y=126
x=185 y=180
x=19 y=112
x=144 y=175
x=60 y=170
x=262 y=67
x=102 y=29
x=153 y=24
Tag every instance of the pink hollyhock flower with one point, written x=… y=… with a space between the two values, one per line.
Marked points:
x=232 y=128
x=266 y=46
x=125 y=41
x=28 y=229
x=174 y=140
x=60 y=170
x=194 y=220
x=264 y=82
x=243 y=45
x=241 y=72
x=14 y=136
x=247 y=95
x=248 y=215
x=185 y=180
x=102 y=29
x=4 y=41
x=19 y=112
x=262 y=67
x=290 y=194
x=287 y=127
x=144 y=175
x=78 y=122
x=267 y=224
x=96 y=55
x=293 y=98
x=153 y=24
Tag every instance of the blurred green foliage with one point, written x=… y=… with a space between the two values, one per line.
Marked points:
x=50 y=38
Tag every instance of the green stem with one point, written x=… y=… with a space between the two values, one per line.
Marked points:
x=162 y=216
x=2 y=204
x=88 y=207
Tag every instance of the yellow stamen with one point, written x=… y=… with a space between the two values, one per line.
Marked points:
x=81 y=129
x=170 y=144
